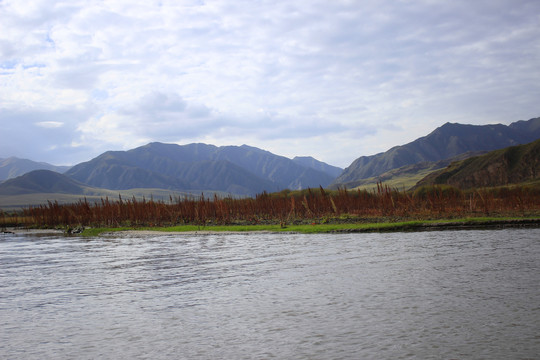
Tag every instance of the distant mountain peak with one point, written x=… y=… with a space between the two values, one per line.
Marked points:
x=311 y=162
x=303 y=158
x=12 y=167
x=449 y=124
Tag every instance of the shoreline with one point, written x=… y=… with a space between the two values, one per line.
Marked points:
x=18 y=231
x=201 y=232
x=411 y=226
x=396 y=226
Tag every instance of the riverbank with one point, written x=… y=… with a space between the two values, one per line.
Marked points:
x=29 y=231
x=400 y=226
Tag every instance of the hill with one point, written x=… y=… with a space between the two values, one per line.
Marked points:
x=41 y=181
x=512 y=165
x=13 y=167
x=241 y=170
x=444 y=142
x=408 y=176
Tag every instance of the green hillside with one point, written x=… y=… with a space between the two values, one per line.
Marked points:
x=512 y=165
x=408 y=176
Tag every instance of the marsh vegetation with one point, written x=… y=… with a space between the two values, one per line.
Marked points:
x=286 y=208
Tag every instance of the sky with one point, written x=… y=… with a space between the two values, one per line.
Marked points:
x=334 y=79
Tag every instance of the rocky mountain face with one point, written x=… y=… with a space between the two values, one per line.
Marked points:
x=444 y=142
x=241 y=170
x=12 y=167
x=511 y=165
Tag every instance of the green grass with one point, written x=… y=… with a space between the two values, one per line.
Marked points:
x=415 y=225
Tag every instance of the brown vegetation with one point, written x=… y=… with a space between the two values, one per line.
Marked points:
x=314 y=205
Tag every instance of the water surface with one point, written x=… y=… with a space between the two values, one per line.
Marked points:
x=430 y=295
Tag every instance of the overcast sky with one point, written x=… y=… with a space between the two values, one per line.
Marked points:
x=332 y=79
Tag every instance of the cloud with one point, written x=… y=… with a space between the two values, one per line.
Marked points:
x=341 y=78
x=42 y=135
x=49 y=124
x=170 y=118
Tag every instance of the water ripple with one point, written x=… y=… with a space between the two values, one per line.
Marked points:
x=451 y=294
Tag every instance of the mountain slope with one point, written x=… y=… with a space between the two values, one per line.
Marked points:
x=408 y=176
x=284 y=172
x=310 y=162
x=41 y=181
x=224 y=176
x=13 y=167
x=242 y=170
x=444 y=142
x=111 y=171
x=511 y=165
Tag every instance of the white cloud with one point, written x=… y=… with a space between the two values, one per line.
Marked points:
x=335 y=80
x=50 y=124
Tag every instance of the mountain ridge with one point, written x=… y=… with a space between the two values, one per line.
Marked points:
x=245 y=170
x=242 y=170
x=448 y=140
x=311 y=162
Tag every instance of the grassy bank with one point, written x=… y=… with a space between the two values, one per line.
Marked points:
x=415 y=225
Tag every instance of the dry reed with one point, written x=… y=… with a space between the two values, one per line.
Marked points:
x=283 y=208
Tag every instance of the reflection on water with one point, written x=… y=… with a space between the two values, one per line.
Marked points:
x=451 y=294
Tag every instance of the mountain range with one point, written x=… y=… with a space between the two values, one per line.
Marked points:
x=445 y=142
x=241 y=170
x=246 y=171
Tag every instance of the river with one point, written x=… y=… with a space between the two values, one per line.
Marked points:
x=418 y=295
